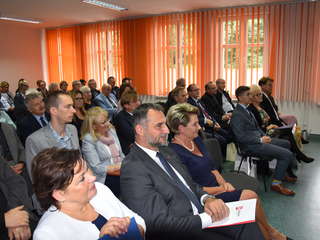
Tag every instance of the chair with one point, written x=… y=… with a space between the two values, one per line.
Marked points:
x=250 y=158
x=239 y=180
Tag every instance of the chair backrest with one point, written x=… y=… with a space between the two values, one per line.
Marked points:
x=213 y=147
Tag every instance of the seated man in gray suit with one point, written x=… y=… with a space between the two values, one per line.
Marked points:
x=18 y=202
x=107 y=100
x=57 y=133
x=156 y=185
x=252 y=139
x=11 y=148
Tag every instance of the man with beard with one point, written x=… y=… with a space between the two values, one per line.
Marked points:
x=156 y=185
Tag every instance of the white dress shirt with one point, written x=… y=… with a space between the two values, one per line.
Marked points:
x=226 y=105
x=206 y=219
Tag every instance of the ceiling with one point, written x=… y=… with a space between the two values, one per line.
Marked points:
x=69 y=12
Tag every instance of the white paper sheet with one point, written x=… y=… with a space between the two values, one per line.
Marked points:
x=241 y=212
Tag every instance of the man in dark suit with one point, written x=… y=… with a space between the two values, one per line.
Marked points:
x=42 y=88
x=268 y=103
x=223 y=96
x=252 y=139
x=212 y=105
x=156 y=185
x=115 y=89
x=123 y=121
x=12 y=151
x=36 y=117
x=92 y=84
x=207 y=121
x=181 y=82
x=179 y=95
x=19 y=100
x=18 y=204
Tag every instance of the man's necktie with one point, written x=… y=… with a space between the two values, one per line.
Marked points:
x=189 y=194
x=203 y=110
x=112 y=103
x=43 y=122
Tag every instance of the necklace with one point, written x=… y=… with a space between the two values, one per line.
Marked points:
x=190 y=149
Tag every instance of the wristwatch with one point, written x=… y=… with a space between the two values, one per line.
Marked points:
x=206 y=197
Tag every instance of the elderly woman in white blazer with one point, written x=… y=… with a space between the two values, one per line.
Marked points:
x=101 y=148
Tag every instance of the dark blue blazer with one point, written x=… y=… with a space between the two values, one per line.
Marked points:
x=123 y=123
x=20 y=109
x=200 y=115
x=213 y=107
x=28 y=125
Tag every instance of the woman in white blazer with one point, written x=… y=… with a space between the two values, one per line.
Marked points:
x=101 y=148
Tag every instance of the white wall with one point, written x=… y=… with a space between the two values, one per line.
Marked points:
x=308 y=114
x=20 y=54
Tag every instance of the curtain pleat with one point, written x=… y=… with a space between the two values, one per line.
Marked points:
x=238 y=44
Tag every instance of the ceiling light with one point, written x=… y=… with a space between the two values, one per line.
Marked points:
x=20 y=20
x=105 y=5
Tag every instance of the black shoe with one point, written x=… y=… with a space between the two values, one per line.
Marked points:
x=305 y=159
x=303 y=141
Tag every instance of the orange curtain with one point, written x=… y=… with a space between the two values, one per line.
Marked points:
x=88 y=51
x=238 y=44
x=293 y=54
x=64 y=54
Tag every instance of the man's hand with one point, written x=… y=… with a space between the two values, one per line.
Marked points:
x=19 y=233
x=228 y=187
x=265 y=139
x=115 y=227
x=217 y=126
x=271 y=126
x=18 y=168
x=216 y=208
x=209 y=122
x=16 y=217
x=226 y=117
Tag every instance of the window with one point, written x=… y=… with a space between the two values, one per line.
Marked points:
x=242 y=51
x=179 y=50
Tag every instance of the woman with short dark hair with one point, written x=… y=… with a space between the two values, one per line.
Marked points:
x=76 y=206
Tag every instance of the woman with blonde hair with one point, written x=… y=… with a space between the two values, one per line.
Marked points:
x=264 y=122
x=101 y=148
x=182 y=120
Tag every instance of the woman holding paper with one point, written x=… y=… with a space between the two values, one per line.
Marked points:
x=183 y=121
x=263 y=120
x=76 y=206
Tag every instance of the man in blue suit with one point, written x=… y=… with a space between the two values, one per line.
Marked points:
x=106 y=100
x=252 y=139
x=123 y=121
x=208 y=121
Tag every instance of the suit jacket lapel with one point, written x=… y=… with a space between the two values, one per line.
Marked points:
x=174 y=161
x=151 y=164
x=49 y=138
x=11 y=143
x=35 y=121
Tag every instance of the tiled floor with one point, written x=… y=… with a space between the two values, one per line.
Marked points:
x=298 y=216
